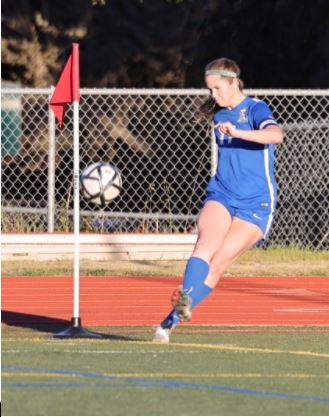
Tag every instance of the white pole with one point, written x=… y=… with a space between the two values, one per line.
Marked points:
x=51 y=170
x=76 y=213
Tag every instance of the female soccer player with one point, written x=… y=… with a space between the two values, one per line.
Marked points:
x=240 y=197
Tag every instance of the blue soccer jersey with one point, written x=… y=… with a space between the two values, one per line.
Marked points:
x=245 y=171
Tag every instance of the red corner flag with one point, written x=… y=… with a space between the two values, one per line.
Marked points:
x=67 y=88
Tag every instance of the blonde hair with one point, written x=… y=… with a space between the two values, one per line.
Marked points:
x=224 y=66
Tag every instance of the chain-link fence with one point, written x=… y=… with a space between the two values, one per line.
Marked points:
x=165 y=157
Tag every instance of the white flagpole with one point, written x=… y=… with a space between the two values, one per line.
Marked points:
x=76 y=211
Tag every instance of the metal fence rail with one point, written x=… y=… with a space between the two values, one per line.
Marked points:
x=165 y=157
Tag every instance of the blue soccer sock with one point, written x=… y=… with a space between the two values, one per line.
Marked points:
x=195 y=274
x=171 y=320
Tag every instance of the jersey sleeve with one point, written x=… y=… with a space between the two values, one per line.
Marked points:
x=262 y=116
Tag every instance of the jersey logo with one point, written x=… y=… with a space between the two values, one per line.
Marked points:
x=243 y=117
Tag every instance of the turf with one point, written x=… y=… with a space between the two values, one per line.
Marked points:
x=204 y=371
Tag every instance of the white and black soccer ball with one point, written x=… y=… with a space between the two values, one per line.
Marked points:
x=100 y=183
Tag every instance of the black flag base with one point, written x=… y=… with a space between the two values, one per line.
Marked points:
x=77 y=331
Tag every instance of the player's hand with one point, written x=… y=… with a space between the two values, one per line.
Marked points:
x=227 y=128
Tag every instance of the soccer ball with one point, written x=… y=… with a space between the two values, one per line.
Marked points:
x=100 y=183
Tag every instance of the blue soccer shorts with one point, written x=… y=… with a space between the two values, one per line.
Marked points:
x=260 y=214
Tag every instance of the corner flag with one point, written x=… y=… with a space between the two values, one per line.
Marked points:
x=67 y=88
x=67 y=91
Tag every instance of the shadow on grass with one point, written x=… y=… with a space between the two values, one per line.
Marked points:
x=49 y=324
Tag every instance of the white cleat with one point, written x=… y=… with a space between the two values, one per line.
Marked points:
x=161 y=335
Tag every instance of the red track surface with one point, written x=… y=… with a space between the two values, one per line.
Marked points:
x=107 y=301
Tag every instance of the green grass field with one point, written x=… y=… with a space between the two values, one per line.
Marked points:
x=204 y=371
x=256 y=262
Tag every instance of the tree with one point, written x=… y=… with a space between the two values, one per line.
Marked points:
x=166 y=43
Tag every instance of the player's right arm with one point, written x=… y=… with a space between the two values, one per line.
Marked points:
x=266 y=130
x=270 y=134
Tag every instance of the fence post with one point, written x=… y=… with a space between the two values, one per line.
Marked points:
x=214 y=152
x=51 y=169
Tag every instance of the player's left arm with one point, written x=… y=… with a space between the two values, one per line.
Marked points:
x=270 y=134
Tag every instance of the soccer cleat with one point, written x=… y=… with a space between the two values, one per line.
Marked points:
x=182 y=303
x=161 y=335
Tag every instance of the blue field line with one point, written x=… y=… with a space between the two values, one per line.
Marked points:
x=148 y=383
x=72 y=385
